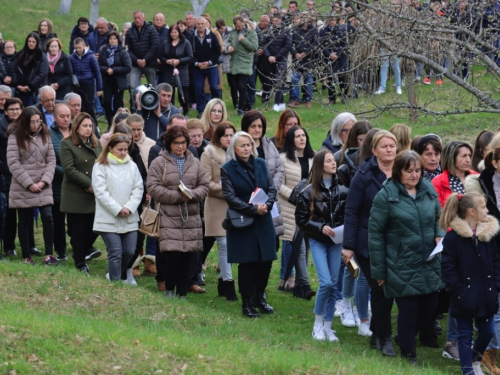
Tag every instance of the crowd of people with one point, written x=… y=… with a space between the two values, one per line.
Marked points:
x=373 y=207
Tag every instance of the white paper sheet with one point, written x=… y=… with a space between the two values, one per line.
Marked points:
x=437 y=249
x=259 y=197
x=339 y=235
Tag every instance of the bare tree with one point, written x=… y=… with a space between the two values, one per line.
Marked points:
x=199 y=6
x=65 y=6
x=94 y=11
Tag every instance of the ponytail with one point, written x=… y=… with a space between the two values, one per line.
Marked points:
x=457 y=205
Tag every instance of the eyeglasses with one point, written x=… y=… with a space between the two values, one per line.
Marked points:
x=345 y=130
x=179 y=144
x=14 y=110
x=37 y=122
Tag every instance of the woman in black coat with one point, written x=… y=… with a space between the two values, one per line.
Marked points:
x=253 y=247
x=115 y=64
x=45 y=28
x=60 y=69
x=8 y=56
x=31 y=70
x=177 y=55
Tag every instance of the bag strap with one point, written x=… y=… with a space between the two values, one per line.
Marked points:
x=163 y=182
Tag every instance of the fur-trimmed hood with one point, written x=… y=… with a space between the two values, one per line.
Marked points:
x=472 y=184
x=216 y=154
x=484 y=231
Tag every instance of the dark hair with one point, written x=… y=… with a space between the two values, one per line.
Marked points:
x=115 y=139
x=219 y=132
x=358 y=128
x=50 y=26
x=429 y=140
x=414 y=143
x=163 y=87
x=82 y=20
x=175 y=27
x=174 y=132
x=23 y=129
x=26 y=54
x=181 y=22
x=12 y=101
x=115 y=34
x=450 y=153
x=366 y=148
x=250 y=117
x=238 y=18
x=316 y=176
x=120 y=117
x=75 y=138
x=219 y=23
x=403 y=162
x=480 y=146
x=289 y=146
x=490 y=156
x=173 y=117
x=279 y=136
x=123 y=128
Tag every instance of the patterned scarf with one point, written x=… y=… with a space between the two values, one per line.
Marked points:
x=53 y=60
x=111 y=55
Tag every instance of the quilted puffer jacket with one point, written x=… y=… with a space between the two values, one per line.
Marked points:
x=402 y=233
x=30 y=166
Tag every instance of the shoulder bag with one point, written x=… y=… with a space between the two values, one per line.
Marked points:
x=150 y=218
x=294 y=195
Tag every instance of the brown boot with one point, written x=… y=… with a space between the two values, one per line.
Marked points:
x=308 y=104
x=161 y=286
x=490 y=361
x=294 y=104
x=136 y=272
x=290 y=284
x=281 y=285
x=149 y=267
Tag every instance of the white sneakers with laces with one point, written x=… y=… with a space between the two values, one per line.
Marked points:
x=318 y=332
x=364 y=329
x=338 y=308
x=347 y=317
x=330 y=335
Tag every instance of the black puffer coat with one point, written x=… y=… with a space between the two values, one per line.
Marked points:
x=184 y=53
x=305 y=41
x=9 y=63
x=327 y=211
x=62 y=76
x=76 y=33
x=349 y=165
x=33 y=75
x=278 y=43
x=142 y=45
x=121 y=67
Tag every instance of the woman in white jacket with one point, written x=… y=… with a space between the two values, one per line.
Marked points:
x=118 y=189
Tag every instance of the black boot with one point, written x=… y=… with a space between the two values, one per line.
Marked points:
x=410 y=354
x=375 y=342
x=259 y=301
x=298 y=291
x=229 y=291
x=386 y=346
x=247 y=308
x=220 y=288
x=308 y=292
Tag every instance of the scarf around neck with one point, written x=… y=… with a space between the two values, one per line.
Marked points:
x=111 y=55
x=53 y=60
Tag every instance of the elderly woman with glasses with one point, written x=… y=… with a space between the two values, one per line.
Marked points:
x=177 y=183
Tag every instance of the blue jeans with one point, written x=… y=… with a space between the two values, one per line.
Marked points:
x=308 y=82
x=452 y=333
x=485 y=331
x=151 y=245
x=362 y=296
x=326 y=259
x=496 y=338
x=340 y=282
x=199 y=77
x=286 y=251
x=384 y=68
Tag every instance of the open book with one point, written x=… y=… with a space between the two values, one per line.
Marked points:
x=184 y=190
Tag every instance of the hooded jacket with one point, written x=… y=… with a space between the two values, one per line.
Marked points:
x=76 y=33
x=86 y=68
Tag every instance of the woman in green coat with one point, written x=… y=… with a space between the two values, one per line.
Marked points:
x=242 y=45
x=403 y=231
x=78 y=154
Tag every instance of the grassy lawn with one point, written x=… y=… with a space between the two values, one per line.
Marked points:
x=55 y=321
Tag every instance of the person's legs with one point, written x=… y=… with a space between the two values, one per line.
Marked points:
x=48 y=229
x=151 y=245
x=135 y=80
x=485 y=331
x=59 y=229
x=161 y=265
x=362 y=296
x=262 y=271
x=225 y=267
x=199 y=86
x=384 y=69
x=183 y=274
x=295 y=95
x=80 y=226
x=308 y=83
x=10 y=229
x=241 y=82
x=117 y=100
x=246 y=280
x=408 y=309
x=170 y=266
x=129 y=245
x=250 y=89
x=286 y=251
x=108 y=93
x=320 y=258
x=496 y=337
x=114 y=248
x=213 y=82
x=24 y=216
x=150 y=73
x=301 y=277
x=208 y=243
x=396 y=69
x=87 y=92
x=427 y=305
x=464 y=327
x=333 y=258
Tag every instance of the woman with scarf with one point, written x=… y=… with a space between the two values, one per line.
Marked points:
x=60 y=69
x=115 y=64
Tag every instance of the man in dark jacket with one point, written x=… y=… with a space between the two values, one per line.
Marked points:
x=46 y=104
x=86 y=68
x=99 y=36
x=82 y=29
x=277 y=45
x=162 y=30
x=304 y=42
x=142 y=43
x=156 y=121
x=206 y=53
x=5 y=93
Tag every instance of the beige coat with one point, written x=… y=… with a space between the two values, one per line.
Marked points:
x=145 y=145
x=180 y=223
x=293 y=174
x=36 y=164
x=212 y=159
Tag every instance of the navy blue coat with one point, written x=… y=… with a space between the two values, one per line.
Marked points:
x=143 y=45
x=76 y=33
x=365 y=185
x=121 y=67
x=86 y=68
x=470 y=267
x=256 y=243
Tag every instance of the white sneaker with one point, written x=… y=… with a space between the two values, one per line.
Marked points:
x=276 y=107
x=318 y=332
x=259 y=93
x=330 y=335
x=476 y=366
x=418 y=78
x=356 y=316
x=398 y=90
x=282 y=107
x=338 y=308
x=107 y=277
x=130 y=279
x=364 y=329
x=379 y=92
x=348 y=318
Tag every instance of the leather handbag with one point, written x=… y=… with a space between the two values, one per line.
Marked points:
x=294 y=195
x=238 y=220
x=150 y=218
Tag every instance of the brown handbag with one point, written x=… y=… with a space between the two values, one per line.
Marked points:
x=150 y=218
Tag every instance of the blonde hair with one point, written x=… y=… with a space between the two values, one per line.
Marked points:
x=403 y=134
x=382 y=134
x=205 y=118
x=230 y=150
x=457 y=205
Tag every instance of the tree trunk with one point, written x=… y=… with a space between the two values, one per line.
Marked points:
x=65 y=6
x=199 y=6
x=412 y=98
x=94 y=11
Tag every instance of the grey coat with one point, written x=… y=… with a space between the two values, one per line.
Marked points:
x=277 y=171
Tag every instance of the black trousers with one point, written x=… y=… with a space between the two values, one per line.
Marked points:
x=10 y=230
x=161 y=264
x=186 y=103
x=177 y=271
x=82 y=236
x=25 y=226
x=87 y=92
x=194 y=269
x=267 y=84
x=414 y=313
x=233 y=88
x=241 y=86
x=59 y=229
x=113 y=99
x=253 y=277
x=381 y=307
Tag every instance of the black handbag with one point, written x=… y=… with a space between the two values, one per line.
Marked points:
x=235 y=219
x=294 y=195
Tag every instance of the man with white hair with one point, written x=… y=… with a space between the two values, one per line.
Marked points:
x=5 y=93
x=99 y=36
x=47 y=102
x=74 y=102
